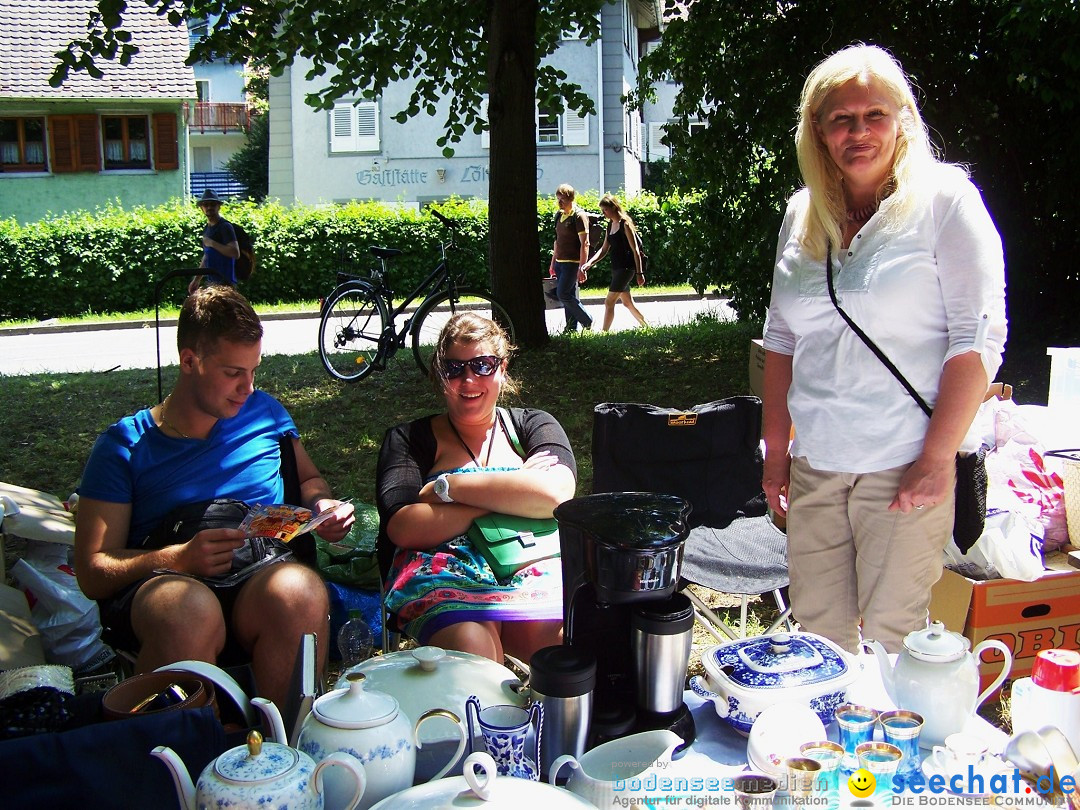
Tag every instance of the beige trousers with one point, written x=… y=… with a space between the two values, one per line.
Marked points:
x=851 y=559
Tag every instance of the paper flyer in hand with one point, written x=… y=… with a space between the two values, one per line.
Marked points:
x=283 y=522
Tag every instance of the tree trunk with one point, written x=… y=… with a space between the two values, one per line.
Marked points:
x=515 y=243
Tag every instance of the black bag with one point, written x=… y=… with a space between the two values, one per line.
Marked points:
x=245 y=264
x=970 y=516
x=184 y=522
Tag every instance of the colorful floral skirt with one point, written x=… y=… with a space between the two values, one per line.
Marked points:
x=453 y=583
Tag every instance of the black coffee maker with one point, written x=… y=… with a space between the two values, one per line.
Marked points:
x=621 y=551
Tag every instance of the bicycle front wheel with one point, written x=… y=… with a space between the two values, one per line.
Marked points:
x=350 y=332
x=435 y=312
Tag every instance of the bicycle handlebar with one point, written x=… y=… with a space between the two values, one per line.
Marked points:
x=441 y=218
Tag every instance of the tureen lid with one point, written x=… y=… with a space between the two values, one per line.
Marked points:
x=256 y=761
x=503 y=792
x=935 y=643
x=430 y=677
x=781 y=660
x=355 y=706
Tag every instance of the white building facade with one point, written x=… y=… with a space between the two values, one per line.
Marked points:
x=358 y=152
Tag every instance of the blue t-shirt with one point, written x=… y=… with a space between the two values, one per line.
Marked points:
x=220 y=267
x=135 y=462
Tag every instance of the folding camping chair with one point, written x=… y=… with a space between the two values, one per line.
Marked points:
x=710 y=455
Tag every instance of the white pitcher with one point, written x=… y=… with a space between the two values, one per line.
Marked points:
x=621 y=773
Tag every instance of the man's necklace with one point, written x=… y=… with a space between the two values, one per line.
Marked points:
x=165 y=420
x=467 y=450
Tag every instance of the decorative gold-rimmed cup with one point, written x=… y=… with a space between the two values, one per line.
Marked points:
x=754 y=791
x=802 y=776
x=828 y=754
x=881 y=759
x=856 y=724
x=902 y=728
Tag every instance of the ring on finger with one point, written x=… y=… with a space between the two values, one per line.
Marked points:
x=921 y=506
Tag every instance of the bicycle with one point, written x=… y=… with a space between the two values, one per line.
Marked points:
x=357 y=333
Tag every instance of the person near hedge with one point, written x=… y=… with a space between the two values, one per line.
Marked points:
x=569 y=252
x=621 y=239
x=438 y=473
x=220 y=247
x=868 y=481
x=214 y=436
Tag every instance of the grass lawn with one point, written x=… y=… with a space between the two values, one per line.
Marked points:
x=50 y=422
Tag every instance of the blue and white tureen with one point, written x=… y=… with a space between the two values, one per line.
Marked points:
x=747 y=675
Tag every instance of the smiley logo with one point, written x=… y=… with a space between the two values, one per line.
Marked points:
x=861 y=783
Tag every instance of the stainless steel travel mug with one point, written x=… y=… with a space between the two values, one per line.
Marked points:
x=660 y=634
x=562 y=680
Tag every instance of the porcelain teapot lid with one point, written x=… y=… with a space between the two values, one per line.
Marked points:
x=257 y=761
x=935 y=643
x=355 y=706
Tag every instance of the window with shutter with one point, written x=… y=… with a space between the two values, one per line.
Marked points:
x=575 y=129
x=657 y=150
x=354 y=127
x=22 y=144
x=547 y=127
x=166 y=148
x=127 y=141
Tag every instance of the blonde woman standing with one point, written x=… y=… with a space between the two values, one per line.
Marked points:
x=915 y=261
x=622 y=240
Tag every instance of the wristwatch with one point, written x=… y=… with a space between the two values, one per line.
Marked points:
x=442 y=489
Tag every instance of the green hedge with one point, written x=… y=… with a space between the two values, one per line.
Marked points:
x=110 y=260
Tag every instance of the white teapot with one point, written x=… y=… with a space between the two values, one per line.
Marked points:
x=371 y=726
x=937 y=677
x=257 y=775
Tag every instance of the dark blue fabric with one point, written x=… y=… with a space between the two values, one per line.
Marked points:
x=108 y=764
x=218 y=266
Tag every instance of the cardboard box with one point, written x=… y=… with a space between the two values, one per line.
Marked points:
x=1026 y=616
x=756 y=367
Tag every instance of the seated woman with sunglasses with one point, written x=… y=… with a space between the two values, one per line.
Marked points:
x=437 y=474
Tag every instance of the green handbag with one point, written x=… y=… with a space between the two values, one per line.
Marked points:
x=509 y=543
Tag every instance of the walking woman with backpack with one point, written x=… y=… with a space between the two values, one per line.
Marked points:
x=627 y=259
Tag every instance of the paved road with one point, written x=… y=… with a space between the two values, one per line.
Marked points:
x=47 y=349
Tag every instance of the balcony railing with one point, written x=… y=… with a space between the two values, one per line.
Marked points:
x=223 y=184
x=212 y=116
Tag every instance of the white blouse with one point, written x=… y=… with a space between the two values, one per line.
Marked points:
x=924 y=293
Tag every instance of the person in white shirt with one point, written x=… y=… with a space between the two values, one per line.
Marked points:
x=867 y=483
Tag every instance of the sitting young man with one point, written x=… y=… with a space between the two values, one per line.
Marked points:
x=214 y=436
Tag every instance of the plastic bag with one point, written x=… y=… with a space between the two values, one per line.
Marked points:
x=351 y=561
x=1010 y=546
x=69 y=623
x=1019 y=478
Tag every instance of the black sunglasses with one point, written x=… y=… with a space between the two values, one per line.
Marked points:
x=484 y=366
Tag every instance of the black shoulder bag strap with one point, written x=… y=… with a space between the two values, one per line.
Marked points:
x=866 y=339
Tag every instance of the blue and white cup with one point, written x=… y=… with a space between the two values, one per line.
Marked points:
x=856 y=724
x=902 y=728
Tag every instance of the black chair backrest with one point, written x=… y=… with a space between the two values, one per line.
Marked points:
x=710 y=455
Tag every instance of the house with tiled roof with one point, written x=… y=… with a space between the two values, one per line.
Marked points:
x=120 y=137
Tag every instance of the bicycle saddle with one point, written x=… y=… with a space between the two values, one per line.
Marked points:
x=384 y=253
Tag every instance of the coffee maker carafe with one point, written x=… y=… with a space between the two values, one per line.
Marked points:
x=620 y=551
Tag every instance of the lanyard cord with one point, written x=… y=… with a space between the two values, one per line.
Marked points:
x=491 y=443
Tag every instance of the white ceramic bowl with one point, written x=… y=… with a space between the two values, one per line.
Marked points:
x=778 y=732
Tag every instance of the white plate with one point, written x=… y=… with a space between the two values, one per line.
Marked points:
x=223 y=682
x=777 y=734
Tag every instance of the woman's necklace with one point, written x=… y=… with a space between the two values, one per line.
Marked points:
x=491 y=443
x=862 y=214
x=165 y=420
